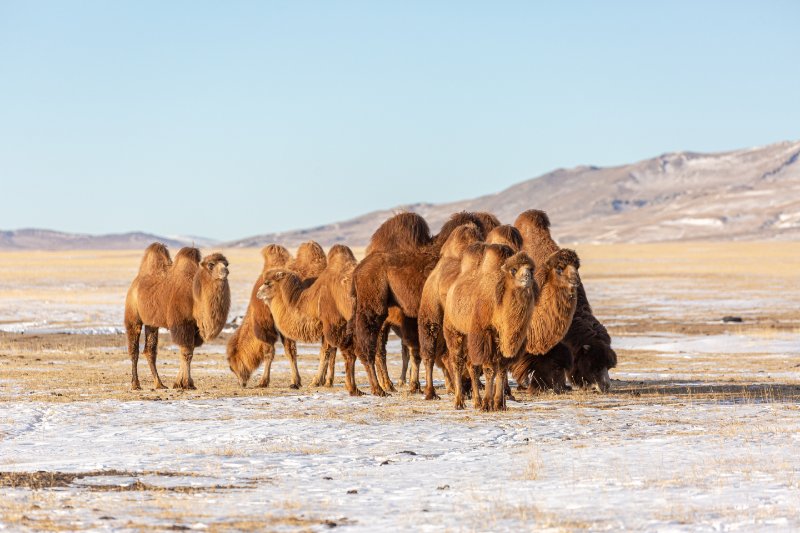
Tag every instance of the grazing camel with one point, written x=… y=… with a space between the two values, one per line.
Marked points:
x=254 y=341
x=401 y=255
x=587 y=338
x=486 y=317
x=190 y=297
x=317 y=311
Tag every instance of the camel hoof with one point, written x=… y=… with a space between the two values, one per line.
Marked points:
x=432 y=396
x=316 y=383
x=459 y=406
x=136 y=386
x=415 y=388
x=379 y=392
x=159 y=386
x=294 y=386
x=356 y=392
x=329 y=384
x=511 y=397
x=262 y=384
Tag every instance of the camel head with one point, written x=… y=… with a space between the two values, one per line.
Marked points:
x=590 y=366
x=518 y=269
x=239 y=368
x=216 y=265
x=561 y=269
x=272 y=280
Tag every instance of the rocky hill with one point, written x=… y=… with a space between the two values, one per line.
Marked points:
x=750 y=194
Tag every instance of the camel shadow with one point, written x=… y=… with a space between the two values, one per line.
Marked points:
x=738 y=392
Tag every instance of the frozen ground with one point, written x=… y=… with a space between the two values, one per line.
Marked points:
x=699 y=433
x=319 y=459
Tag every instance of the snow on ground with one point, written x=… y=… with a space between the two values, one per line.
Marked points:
x=607 y=465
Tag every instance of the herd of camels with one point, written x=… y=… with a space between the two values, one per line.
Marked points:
x=478 y=300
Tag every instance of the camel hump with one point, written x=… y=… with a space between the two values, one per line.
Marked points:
x=402 y=231
x=340 y=255
x=460 y=239
x=156 y=258
x=187 y=253
x=505 y=234
x=495 y=255
x=485 y=221
x=533 y=217
x=562 y=259
x=275 y=255
x=310 y=260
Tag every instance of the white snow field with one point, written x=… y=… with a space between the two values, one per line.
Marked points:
x=700 y=432
x=311 y=461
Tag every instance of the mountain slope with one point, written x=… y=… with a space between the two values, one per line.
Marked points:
x=750 y=194
x=41 y=239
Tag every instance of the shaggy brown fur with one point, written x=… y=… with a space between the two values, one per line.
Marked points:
x=310 y=261
x=254 y=341
x=409 y=231
x=505 y=234
x=544 y=372
x=587 y=338
x=488 y=308
x=434 y=294
x=401 y=255
x=190 y=297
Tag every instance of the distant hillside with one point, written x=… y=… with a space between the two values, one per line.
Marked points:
x=751 y=194
x=42 y=239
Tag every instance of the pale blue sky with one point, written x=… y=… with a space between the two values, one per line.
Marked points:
x=227 y=119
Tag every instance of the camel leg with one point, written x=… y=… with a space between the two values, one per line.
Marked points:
x=474 y=379
x=491 y=377
x=322 y=369
x=290 y=347
x=455 y=345
x=500 y=390
x=151 y=353
x=331 y=366
x=134 y=331
x=350 y=373
x=380 y=360
x=374 y=384
x=430 y=392
x=414 y=384
x=404 y=370
x=184 y=379
x=507 y=387
x=269 y=356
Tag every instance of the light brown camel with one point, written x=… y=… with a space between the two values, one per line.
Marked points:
x=254 y=341
x=487 y=314
x=190 y=297
x=402 y=254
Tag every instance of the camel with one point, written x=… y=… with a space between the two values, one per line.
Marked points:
x=254 y=341
x=317 y=311
x=190 y=297
x=544 y=372
x=587 y=338
x=401 y=255
x=486 y=317
x=434 y=293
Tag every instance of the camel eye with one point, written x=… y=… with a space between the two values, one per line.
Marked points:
x=513 y=271
x=211 y=265
x=559 y=271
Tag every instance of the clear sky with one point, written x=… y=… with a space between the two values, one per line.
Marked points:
x=228 y=119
